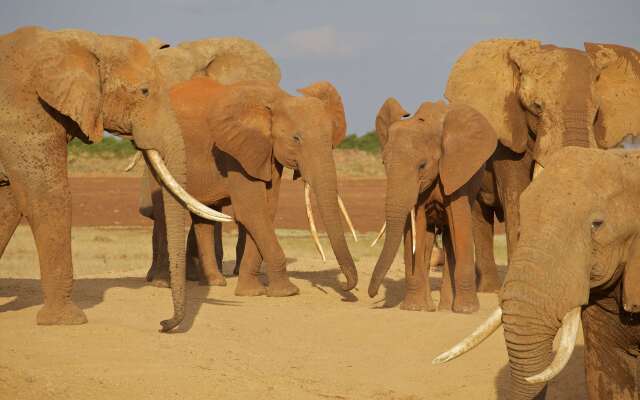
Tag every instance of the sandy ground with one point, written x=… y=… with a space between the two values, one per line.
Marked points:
x=322 y=344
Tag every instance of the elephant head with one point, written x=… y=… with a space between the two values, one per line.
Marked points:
x=259 y=123
x=92 y=83
x=537 y=96
x=574 y=241
x=439 y=145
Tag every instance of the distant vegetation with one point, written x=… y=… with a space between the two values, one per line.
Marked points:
x=368 y=142
x=109 y=147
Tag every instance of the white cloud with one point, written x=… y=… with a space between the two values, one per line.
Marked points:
x=324 y=41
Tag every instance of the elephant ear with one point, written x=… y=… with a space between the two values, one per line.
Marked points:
x=486 y=78
x=618 y=88
x=244 y=132
x=68 y=80
x=468 y=140
x=326 y=92
x=390 y=112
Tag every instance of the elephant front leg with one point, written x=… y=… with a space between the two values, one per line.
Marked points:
x=209 y=273
x=418 y=290
x=488 y=280
x=251 y=207
x=459 y=214
x=9 y=216
x=249 y=269
x=446 y=286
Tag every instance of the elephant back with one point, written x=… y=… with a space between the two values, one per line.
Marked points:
x=486 y=79
x=227 y=60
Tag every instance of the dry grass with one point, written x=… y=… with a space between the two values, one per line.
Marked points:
x=349 y=164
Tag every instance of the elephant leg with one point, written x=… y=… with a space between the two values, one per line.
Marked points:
x=611 y=371
x=240 y=245
x=418 y=288
x=446 y=287
x=512 y=172
x=218 y=248
x=487 y=271
x=251 y=207
x=9 y=216
x=465 y=299
x=249 y=269
x=158 y=273
x=39 y=182
x=210 y=275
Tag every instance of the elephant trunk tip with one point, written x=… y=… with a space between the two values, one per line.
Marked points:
x=374 y=286
x=351 y=283
x=170 y=324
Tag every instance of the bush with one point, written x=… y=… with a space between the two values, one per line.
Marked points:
x=368 y=142
x=109 y=147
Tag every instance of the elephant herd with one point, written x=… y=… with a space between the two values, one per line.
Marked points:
x=522 y=137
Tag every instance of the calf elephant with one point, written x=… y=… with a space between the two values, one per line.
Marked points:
x=58 y=85
x=540 y=98
x=239 y=137
x=434 y=162
x=578 y=255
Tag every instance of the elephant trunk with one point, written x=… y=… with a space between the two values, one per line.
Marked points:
x=400 y=198
x=323 y=180
x=577 y=128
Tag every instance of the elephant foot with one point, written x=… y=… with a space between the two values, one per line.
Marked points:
x=281 y=287
x=213 y=280
x=250 y=286
x=466 y=304
x=489 y=283
x=417 y=302
x=69 y=314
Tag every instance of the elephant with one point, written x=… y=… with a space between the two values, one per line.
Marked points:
x=577 y=258
x=434 y=163
x=226 y=60
x=239 y=137
x=66 y=84
x=540 y=98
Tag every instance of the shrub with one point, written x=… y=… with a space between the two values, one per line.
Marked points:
x=109 y=147
x=368 y=142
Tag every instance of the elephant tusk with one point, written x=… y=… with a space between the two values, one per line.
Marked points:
x=193 y=205
x=312 y=224
x=478 y=336
x=347 y=218
x=134 y=160
x=413 y=229
x=537 y=169
x=384 y=228
x=568 y=335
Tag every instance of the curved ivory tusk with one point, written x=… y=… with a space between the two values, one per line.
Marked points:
x=312 y=224
x=347 y=218
x=537 y=169
x=413 y=229
x=568 y=334
x=134 y=160
x=384 y=228
x=193 y=205
x=478 y=336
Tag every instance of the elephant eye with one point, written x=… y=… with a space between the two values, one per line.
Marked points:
x=297 y=138
x=596 y=224
x=144 y=91
x=422 y=165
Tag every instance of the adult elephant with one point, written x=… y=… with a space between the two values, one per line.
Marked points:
x=227 y=60
x=540 y=98
x=577 y=256
x=239 y=137
x=65 y=84
x=434 y=163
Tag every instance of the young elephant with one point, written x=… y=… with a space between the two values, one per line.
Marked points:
x=434 y=162
x=238 y=138
x=578 y=255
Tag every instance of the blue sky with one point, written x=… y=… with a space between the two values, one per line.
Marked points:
x=368 y=49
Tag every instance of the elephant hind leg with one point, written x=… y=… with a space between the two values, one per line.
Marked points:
x=9 y=216
x=486 y=269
